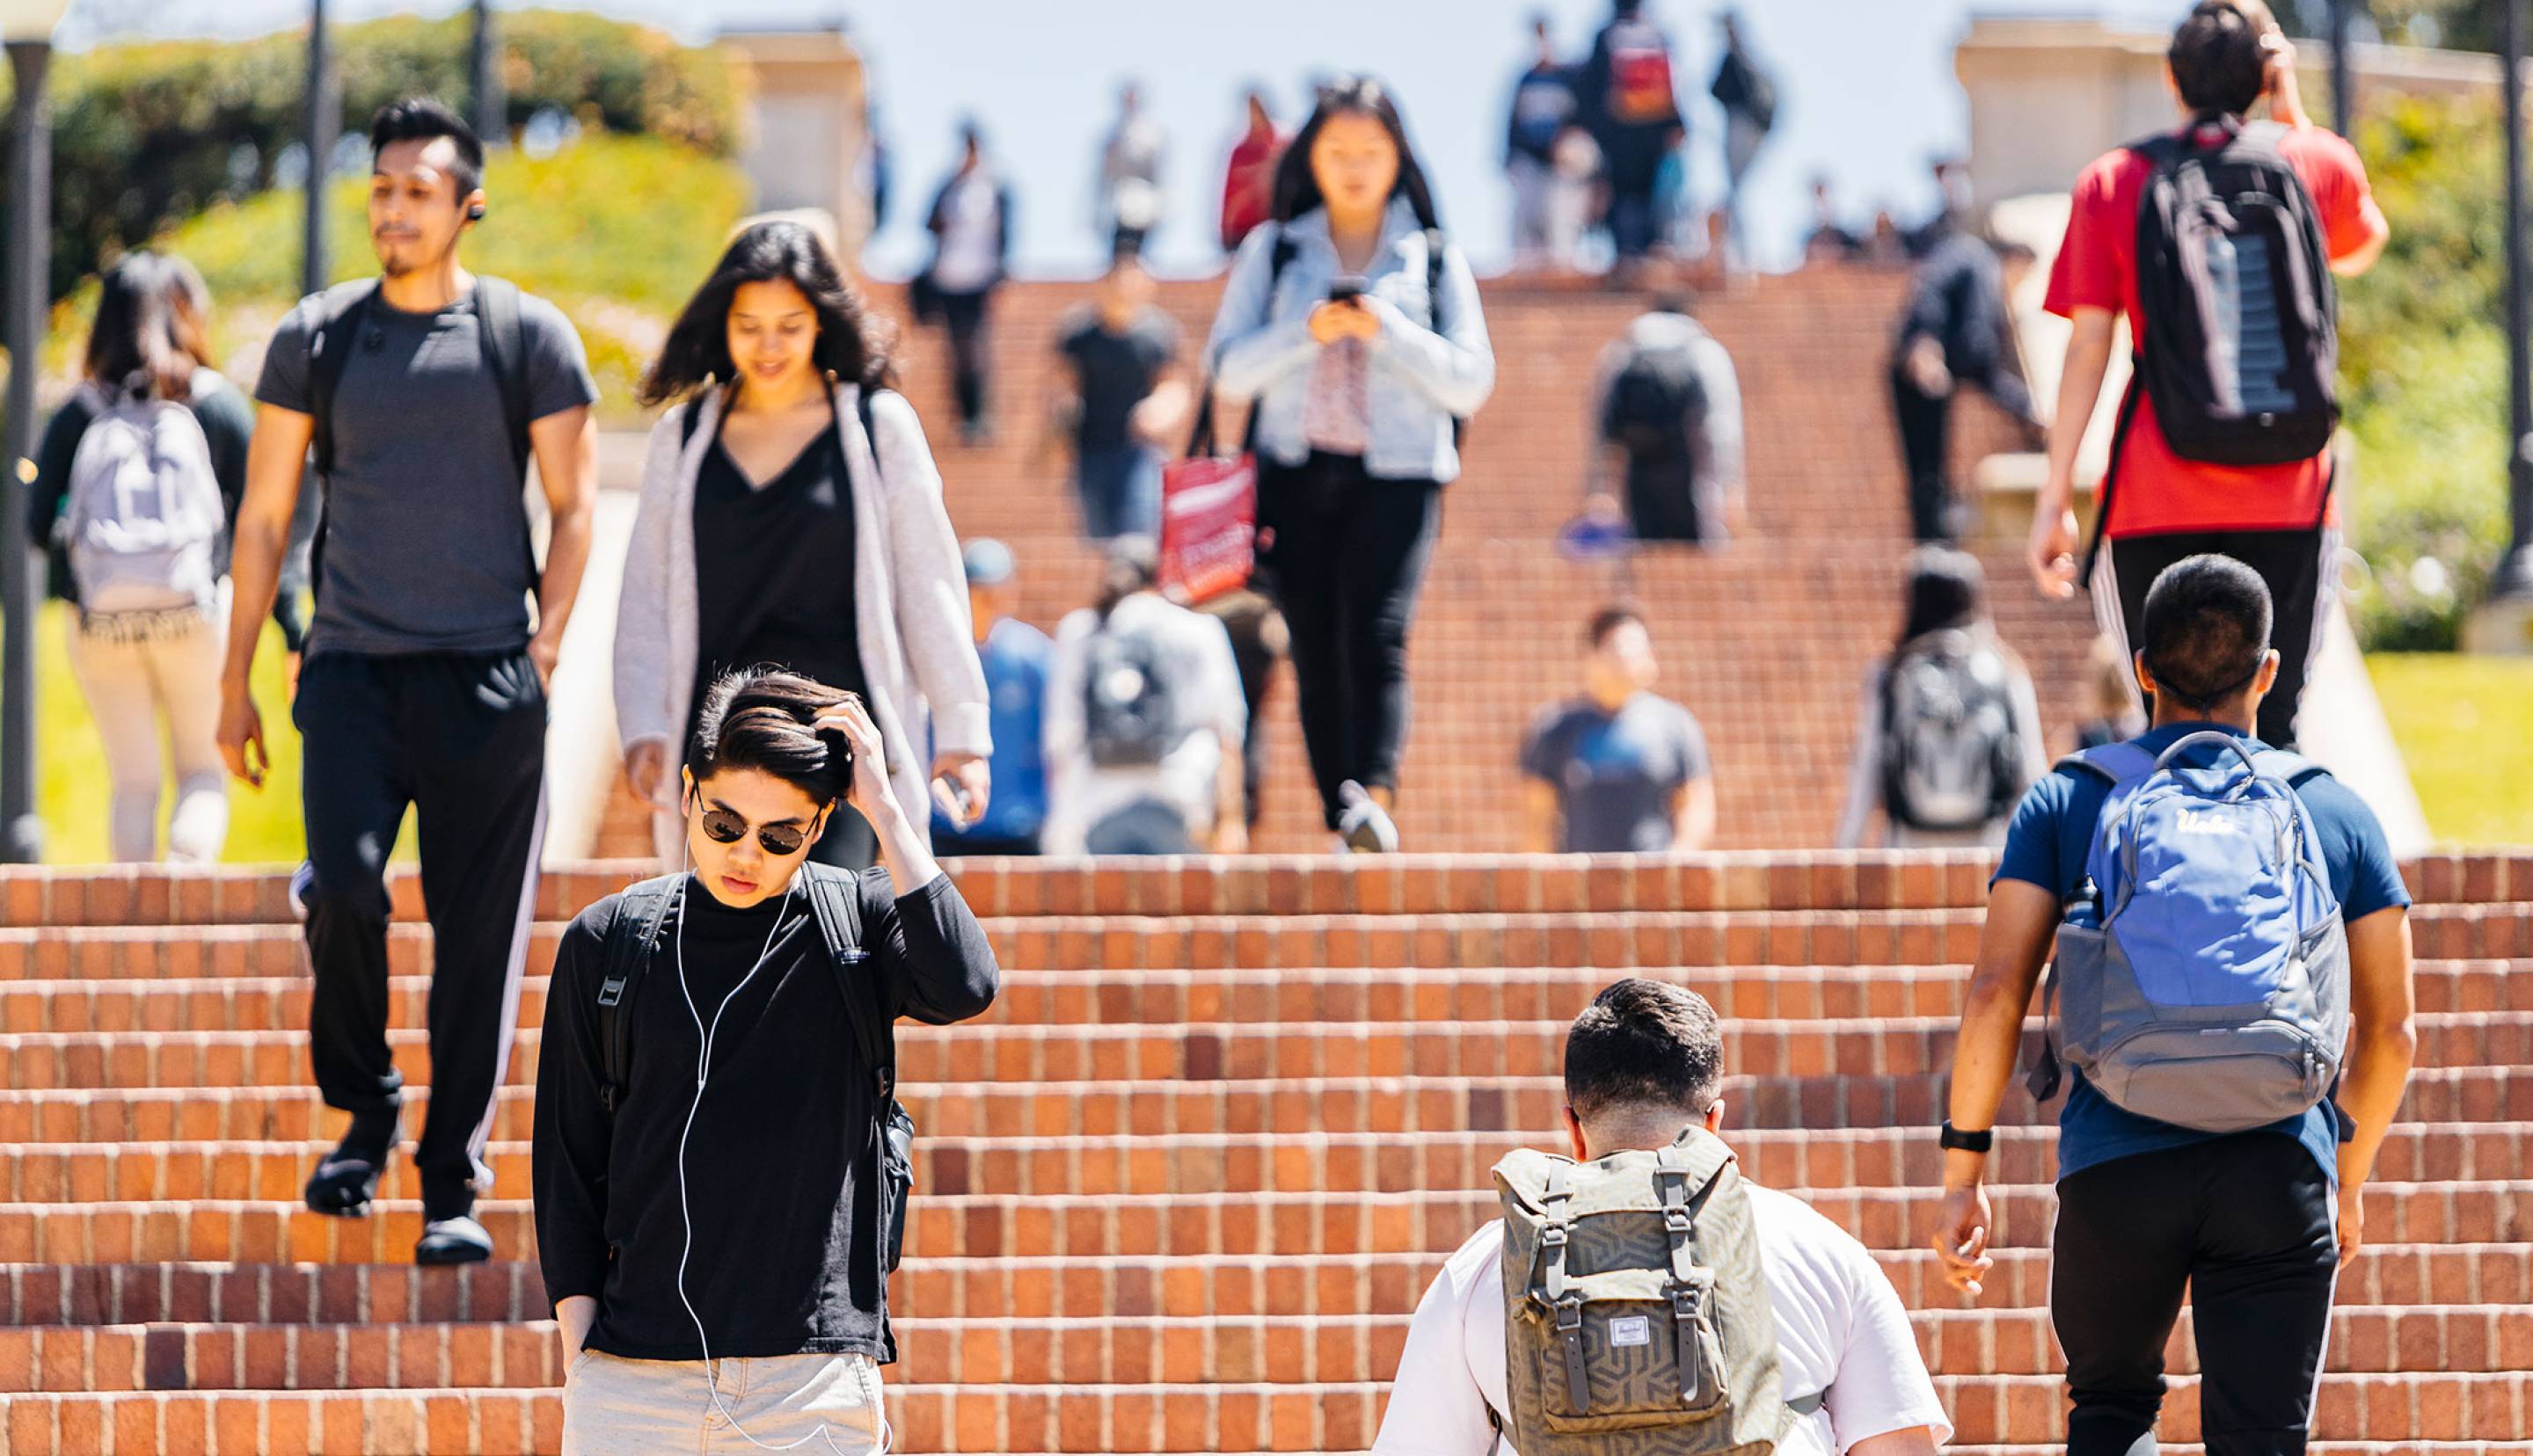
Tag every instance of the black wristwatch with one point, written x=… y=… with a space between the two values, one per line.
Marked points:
x=1953 y=1138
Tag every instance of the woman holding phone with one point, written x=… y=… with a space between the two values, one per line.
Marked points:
x=1354 y=327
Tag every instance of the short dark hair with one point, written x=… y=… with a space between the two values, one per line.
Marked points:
x=1946 y=589
x=758 y=717
x=1645 y=1044
x=1596 y=632
x=2207 y=629
x=2217 y=63
x=421 y=119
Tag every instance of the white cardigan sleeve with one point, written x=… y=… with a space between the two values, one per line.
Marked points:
x=931 y=582
x=642 y=604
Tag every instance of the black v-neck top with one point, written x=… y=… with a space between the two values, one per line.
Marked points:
x=774 y=567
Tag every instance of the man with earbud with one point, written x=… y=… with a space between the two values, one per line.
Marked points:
x=422 y=394
x=721 y=1164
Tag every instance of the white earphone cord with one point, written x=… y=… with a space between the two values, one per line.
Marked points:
x=703 y=1066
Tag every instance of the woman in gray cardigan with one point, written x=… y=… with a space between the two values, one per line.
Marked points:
x=792 y=514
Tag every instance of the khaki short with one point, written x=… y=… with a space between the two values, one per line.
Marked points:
x=617 y=1407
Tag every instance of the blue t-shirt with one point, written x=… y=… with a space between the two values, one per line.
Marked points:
x=2046 y=846
x=1015 y=656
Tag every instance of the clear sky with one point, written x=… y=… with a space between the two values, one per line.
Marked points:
x=1865 y=91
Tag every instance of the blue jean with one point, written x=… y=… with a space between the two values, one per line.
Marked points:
x=1120 y=488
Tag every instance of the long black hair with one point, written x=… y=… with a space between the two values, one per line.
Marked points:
x=1297 y=190
x=851 y=344
x=136 y=345
x=1947 y=587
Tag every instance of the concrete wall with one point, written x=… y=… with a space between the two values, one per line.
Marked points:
x=804 y=135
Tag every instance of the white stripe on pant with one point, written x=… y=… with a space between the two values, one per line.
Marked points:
x=811 y=1403
x=130 y=681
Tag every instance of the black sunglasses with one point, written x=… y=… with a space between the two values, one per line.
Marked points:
x=724 y=827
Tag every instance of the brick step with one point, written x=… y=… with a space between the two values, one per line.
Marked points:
x=2476 y=1407
x=1174 y=998
x=2478 y=1095
x=365 y=1356
x=2316 y=1449
x=401 y=1423
x=1092 y=1351
x=146 y=896
x=976 y=1226
x=1203 y=1051
x=1080 y=1286
x=1183 y=1163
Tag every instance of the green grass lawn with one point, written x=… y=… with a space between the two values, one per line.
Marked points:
x=70 y=764
x=2465 y=725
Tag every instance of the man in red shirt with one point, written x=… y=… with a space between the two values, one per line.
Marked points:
x=2228 y=57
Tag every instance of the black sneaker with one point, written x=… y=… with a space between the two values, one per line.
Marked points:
x=347 y=1179
x=453 y=1240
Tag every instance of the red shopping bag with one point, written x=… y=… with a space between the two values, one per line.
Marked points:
x=1208 y=526
x=1208 y=517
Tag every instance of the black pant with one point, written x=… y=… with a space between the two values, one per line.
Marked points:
x=1925 y=424
x=2247 y=1223
x=970 y=346
x=1347 y=554
x=460 y=738
x=2293 y=562
x=1663 y=503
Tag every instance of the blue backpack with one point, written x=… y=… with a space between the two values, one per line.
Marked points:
x=2202 y=974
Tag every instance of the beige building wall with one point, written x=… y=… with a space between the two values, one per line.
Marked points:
x=803 y=148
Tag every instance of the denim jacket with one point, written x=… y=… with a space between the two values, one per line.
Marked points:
x=1262 y=349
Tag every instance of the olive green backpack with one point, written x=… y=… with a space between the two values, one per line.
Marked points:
x=1636 y=1315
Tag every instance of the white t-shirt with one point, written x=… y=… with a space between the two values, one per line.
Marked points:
x=1841 y=1335
x=1197 y=653
x=971 y=255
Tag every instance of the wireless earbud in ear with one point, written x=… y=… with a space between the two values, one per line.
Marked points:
x=474 y=211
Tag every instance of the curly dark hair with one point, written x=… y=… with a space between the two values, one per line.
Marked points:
x=852 y=344
x=1645 y=1043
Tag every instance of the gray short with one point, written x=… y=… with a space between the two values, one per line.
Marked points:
x=616 y=1407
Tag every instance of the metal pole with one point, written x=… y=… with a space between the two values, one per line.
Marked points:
x=2344 y=94
x=28 y=284
x=2514 y=576
x=491 y=106
x=323 y=124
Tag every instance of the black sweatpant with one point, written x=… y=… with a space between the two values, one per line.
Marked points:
x=2295 y=566
x=460 y=737
x=2248 y=1224
x=1925 y=424
x=971 y=349
x=1347 y=554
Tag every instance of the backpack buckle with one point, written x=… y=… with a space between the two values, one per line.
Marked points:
x=1683 y=1300
x=1569 y=1314
x=1553 y=1236
x=1676 y=1221
x=611 y=991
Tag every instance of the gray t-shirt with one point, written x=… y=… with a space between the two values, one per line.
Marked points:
x=1615 y=773
x=427 y=545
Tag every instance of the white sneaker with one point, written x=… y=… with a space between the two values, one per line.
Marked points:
x=302 y=880
x=1365 y=826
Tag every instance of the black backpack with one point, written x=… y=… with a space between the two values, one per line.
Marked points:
x=1656 y=408
x=2240 y=350
x=342 y=311
x=1129 y=711
x=1951 y=755
x=635 y=934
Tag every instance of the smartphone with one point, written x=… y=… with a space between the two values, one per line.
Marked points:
x=1345 y=290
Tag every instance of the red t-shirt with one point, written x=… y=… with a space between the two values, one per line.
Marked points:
x=2157 y=491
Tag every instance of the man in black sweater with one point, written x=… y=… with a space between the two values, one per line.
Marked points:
x=714 y=1199
x=1958 y=328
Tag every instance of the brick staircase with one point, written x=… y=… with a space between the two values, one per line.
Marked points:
x=1767 y=642
x=1181 y=1189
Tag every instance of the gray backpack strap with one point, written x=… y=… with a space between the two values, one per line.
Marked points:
x=1553 y=1240
x=1679 y=1206
x=341 y=312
